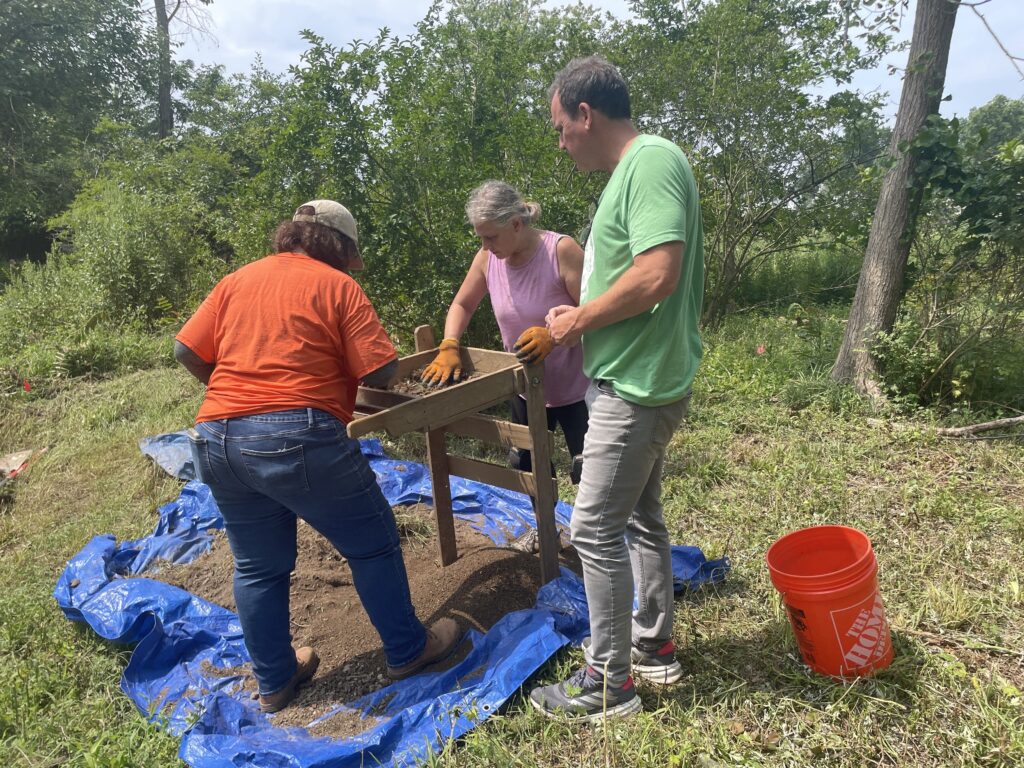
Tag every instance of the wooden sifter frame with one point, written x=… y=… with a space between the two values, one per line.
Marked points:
x=455 y=409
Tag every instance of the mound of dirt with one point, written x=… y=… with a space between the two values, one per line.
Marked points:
x=484 y=584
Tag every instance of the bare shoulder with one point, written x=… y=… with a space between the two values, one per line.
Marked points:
x=480 y=262
x=568 y=250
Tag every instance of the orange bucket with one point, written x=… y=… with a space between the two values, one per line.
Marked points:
x=828 y=578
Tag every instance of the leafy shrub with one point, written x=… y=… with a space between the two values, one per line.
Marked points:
x=959 y=334
x=51 y=329
x=962 y=358
x=129 y=263
x=137 y=250
x=45 y=301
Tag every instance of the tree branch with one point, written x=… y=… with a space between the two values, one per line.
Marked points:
x=1013 y=421
x=1013 y=59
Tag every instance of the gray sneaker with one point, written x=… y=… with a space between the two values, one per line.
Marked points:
x=529 y=542
x=658 y=666
x=586 y=697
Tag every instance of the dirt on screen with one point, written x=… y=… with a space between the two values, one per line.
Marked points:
x=414 y=386
x=484 y=584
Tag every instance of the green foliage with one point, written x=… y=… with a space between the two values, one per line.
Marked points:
x=64 y=65
x=819 y=272
x=132 y=249
x=993 y=124
x=44 y=301
x=308 y=140
x=137 y=251
x=959 y=351
x=52 y=329
x=400 y=129
x=465 y=101
x=54 y=325
x=734 y=83
x=958 y=336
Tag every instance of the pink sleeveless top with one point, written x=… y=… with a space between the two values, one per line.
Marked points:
x=521 y=297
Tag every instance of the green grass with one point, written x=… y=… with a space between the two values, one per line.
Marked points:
x=770 y=446
x=60 y=703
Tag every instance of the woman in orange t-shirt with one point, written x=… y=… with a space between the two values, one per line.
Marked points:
x=282 y=345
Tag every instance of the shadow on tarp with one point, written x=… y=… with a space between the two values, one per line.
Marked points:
x=176 y=675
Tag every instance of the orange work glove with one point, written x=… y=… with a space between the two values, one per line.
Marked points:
x=533 y=345
x=447 y=366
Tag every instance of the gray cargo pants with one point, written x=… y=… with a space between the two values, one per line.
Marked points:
x=618 y=528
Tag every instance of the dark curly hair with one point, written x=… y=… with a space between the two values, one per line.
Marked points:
x=316 y=240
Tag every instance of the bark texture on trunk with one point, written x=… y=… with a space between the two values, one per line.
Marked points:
x=880 y=287
x=165 y=117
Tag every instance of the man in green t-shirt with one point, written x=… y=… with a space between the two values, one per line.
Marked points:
x=642 y=288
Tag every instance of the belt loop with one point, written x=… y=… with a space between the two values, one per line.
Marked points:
x=309 y=415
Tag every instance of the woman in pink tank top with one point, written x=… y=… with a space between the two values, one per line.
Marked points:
x=526 y=271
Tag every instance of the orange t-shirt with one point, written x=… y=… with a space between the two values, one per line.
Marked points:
x=285 y=332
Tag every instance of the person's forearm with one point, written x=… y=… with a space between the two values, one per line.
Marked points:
x=193 y=363
x=383 y=377
x=635 y=292
x=201 y=371
x=457 y=321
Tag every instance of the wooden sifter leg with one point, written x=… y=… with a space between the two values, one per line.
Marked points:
x=437 y=459
x=536 y=415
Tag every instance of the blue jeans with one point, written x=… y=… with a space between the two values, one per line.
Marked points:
x=265 y=471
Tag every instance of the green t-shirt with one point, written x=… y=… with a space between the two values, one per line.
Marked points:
x=651 y=198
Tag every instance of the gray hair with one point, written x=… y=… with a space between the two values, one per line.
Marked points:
x=498 y=202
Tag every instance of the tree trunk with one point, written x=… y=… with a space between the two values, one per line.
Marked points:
x=880 y=287
x=165 y=121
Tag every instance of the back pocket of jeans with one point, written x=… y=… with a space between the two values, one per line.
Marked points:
x=281 y=471
x=200 y=449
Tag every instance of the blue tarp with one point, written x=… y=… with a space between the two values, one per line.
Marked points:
x=171 y=452
x=183 y=640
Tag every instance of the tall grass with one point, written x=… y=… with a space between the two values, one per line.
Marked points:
x=128 y=266
x=814 y=274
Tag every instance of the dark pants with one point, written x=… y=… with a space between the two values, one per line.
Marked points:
x=267 y=470
x=572 y=418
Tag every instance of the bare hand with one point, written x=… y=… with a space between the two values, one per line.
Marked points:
x=554 y=312
x=562 y=324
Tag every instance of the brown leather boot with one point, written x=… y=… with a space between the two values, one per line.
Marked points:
x=442 y=640
x=306 y=662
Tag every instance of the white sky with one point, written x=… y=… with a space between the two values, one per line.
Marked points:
x=977 y=69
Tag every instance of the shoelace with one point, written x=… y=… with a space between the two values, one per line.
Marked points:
x=579 y=678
